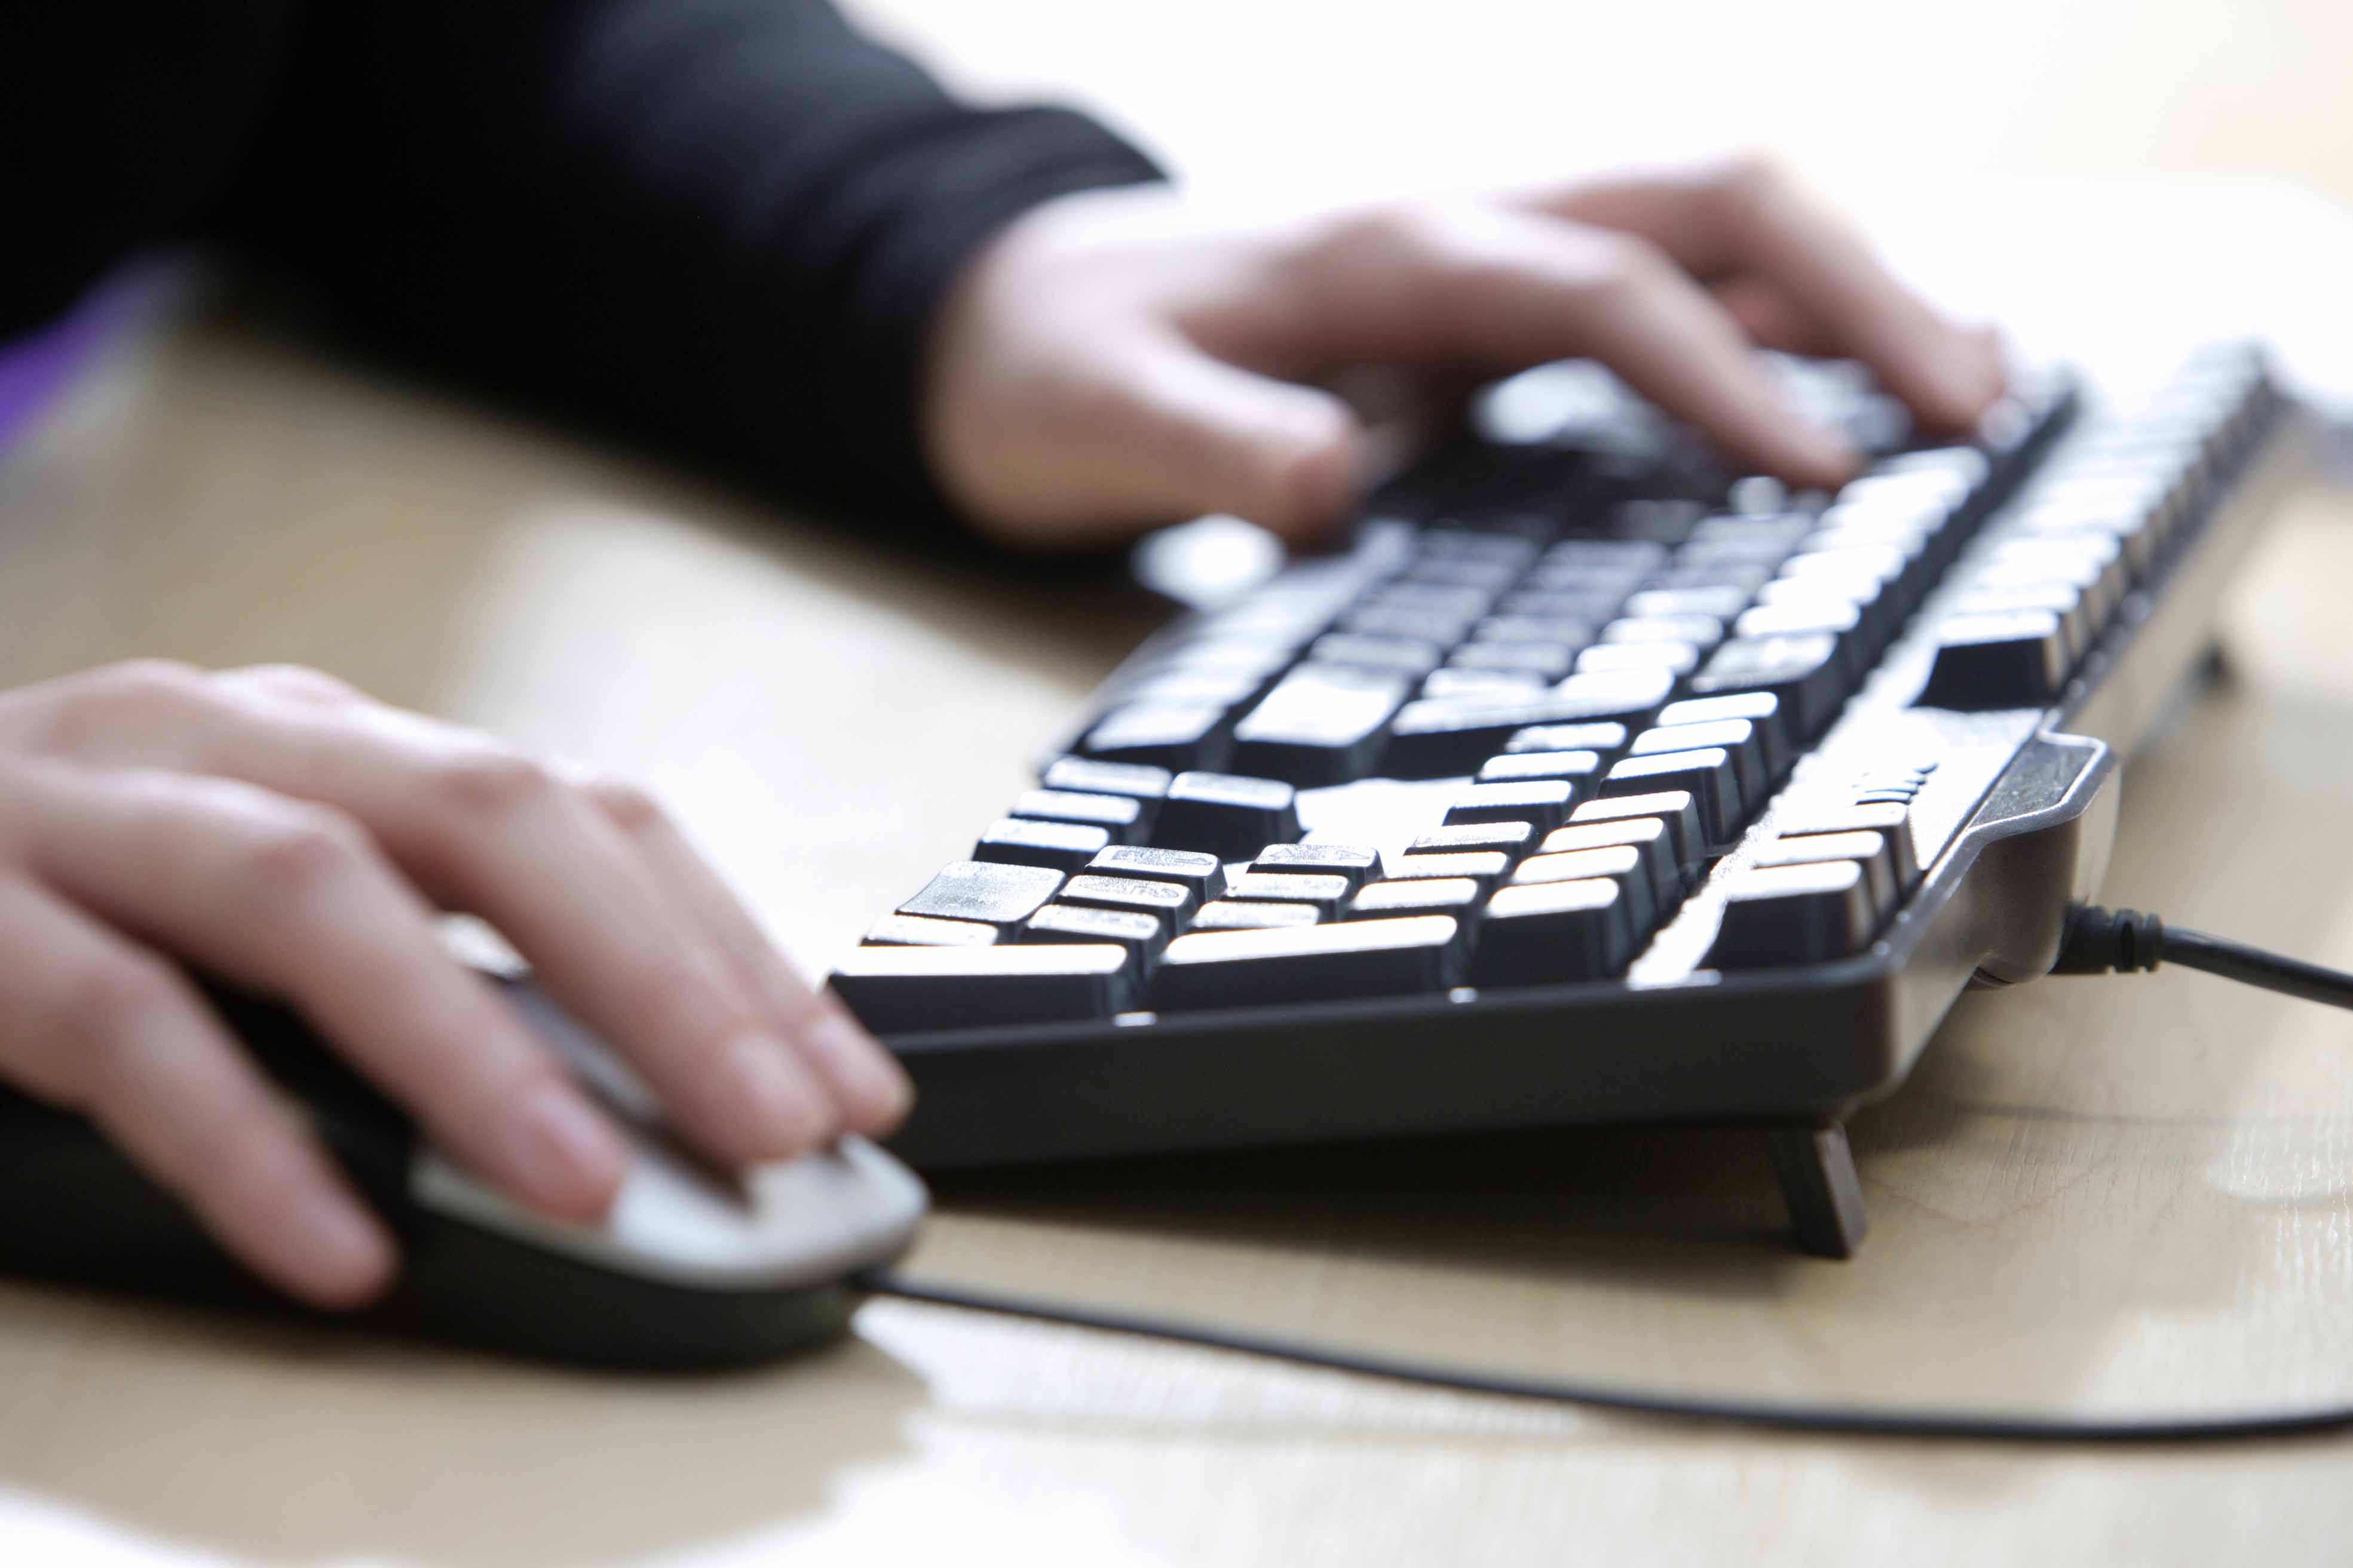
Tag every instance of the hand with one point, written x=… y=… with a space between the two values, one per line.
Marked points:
x=1115 y=359
x=280 y=829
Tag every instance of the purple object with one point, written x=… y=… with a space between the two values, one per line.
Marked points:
x=36 y=367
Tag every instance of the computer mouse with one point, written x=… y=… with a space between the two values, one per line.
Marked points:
x=693 y=1268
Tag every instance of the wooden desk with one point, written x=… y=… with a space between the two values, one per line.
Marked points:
x=2118 y=1194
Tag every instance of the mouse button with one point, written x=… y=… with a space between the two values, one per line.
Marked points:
x=872 y=1203
x=801 y=1222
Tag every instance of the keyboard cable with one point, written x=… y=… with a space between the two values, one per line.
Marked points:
x=2098 y=942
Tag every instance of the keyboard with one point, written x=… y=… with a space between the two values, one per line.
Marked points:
x=1593 y=781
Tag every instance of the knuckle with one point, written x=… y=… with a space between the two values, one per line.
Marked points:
x=628 y=804
x=107 y=1009
x=113 y=997
x=1627 y=264
x=146 y=682
x=298 y=680
x=1744 y=185
x=1393 y=233
x=307 y=846
x=492 y=780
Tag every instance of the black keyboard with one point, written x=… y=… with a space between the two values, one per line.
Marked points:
x=1594 y=783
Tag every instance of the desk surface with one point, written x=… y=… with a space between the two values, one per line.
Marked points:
x=2120 y=1194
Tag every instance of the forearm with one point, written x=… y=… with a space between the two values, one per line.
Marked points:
x=728 y=222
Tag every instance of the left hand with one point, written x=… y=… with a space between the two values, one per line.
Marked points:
x=1115 y=359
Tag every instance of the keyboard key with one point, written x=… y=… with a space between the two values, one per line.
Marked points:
x=1512 y=767
x=1622 y=863
x=1794 y=914
x=1203 y=873
x=1457 y=896
x=1878 y=616
x=1560 y=631
x=1761 y=709
x=1505 y=837
x=1735 y=737
x=1327 y=894
x=1606 y=739
x=1719 y=604
x=1431 y=598
x=1087 y=776
x=1412 y=626
x=1675 y=808
x=994 y=894
x=1701 y=632
x=1673 y=658
x=1321 y=724
x=1802 y=672
x=2077 y=630
x=1220 y=689
x=1550 y=934
x=1168 y=902
x=1164 y=734
x=1705 y=773
x=1547 y=660
x=1123 y=816
x=1020 y=841
x=1892 y=821
x=921 y=930
x=1309 y=964
x=1586 y=607
x=2017 y=659
x=1540 y=802
x=1646 y=835
x=1830 y=617
x=1228 y=815
x=1443 y=737
x=1400 y=655
x=1487 y=574
x=1229 y=914
x=1320 y=859
x=910 y=990
x=1142 y=934
x=1873 y=851
x=1489 y=685
x=1484 y=867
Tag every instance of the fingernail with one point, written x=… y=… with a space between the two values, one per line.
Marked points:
x=872 y=1079
x=569 y=1156
x=343 y=1257
x=775 y=1107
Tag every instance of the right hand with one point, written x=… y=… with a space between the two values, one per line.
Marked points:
x=1116 y=359
x=282 y=830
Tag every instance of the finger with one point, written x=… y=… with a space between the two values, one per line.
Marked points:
x=1168 y=431
x=100 y=1026
x=480 y=828
x=294 y=898
x=1745 y=218
x=1506 y=288
x=866 y=1081
x=1768 y=317
x=490 y=831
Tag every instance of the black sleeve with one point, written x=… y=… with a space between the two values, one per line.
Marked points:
x=727 y=224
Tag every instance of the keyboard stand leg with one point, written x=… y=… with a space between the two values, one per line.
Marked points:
x=1817 y=1181
x=2216 y=670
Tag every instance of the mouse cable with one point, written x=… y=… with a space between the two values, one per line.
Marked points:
x=1916 y=1423
x=2098 y=942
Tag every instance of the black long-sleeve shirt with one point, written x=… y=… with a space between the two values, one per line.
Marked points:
x=726 y=222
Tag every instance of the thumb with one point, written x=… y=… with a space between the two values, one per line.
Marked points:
x=1198 y=434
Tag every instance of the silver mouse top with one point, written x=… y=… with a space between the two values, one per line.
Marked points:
x=803 y=1222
